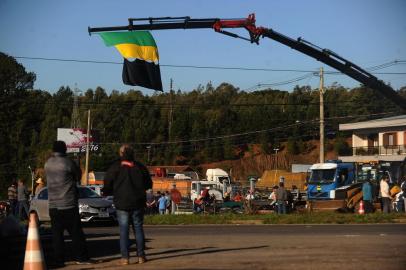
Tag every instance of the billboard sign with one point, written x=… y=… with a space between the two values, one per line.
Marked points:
x=75 y=139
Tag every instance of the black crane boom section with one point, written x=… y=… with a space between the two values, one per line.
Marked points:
x=323 y=55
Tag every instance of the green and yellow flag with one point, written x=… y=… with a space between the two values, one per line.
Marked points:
x=137 y=44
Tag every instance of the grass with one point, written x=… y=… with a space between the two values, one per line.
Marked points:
x=303 y=218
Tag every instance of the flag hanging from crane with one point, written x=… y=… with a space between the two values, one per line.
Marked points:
x=139 y=46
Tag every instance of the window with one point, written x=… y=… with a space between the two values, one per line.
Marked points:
x=322 y=176
x=343 y=176
x=404 y=138
x=87 y=193
x=390 y=139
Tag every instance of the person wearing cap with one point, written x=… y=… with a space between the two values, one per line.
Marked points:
x=40 y=185
x=62 y=176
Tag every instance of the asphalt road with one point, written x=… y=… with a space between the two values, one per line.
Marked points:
x=255 y=247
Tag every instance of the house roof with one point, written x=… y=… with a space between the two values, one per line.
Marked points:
x=395 y=121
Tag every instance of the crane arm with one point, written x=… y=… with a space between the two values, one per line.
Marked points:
x=332 y=59
x=326 y=56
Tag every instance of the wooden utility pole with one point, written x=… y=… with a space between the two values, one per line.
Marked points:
x=321 y=91
x=170 y=112
x=87 y=148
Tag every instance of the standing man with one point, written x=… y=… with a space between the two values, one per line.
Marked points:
x=12 y=198
x=385 y=195
x=22 y=196
x=367 y=196
x=62 y=176
x=128 y=180
x=151 y=203
x=281 y=198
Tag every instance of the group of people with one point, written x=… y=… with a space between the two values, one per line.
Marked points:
x=203 y=200
x=280 y=198
x=389 y=201
x=19 y=196
x=127 y=180
x=159 y=203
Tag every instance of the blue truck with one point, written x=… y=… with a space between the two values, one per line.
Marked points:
x=326 y=178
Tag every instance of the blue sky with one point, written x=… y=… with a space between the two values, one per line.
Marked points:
x=366 y=32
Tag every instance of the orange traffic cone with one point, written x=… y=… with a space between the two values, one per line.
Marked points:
x=34 y=257
x=361 y=209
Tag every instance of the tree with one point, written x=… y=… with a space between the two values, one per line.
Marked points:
x=15 y=132
x=341 y=147
x=13 y=77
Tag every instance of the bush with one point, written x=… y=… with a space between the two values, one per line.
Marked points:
x=342 y=148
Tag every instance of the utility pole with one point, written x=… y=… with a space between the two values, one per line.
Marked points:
x=170 y=111
x=321 y=91
x=87 y=148
x=75 y=118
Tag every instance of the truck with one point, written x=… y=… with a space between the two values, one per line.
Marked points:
x=217 y=181
x=337 y=185
x=326 y=178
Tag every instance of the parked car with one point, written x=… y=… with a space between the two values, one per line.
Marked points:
x=92 y=206
x=97 y=189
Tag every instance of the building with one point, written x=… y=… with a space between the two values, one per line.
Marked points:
x=381 y=141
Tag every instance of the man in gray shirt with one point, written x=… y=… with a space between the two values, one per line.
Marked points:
x=62 y=176
x=22 y=195
x=281 y=198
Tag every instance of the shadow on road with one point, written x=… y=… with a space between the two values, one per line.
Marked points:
x=198 y=251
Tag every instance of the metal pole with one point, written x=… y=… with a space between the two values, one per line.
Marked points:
x=276 y=161
x=321 y=91
x=170 y=111
x=252 y=185
x=87 y=148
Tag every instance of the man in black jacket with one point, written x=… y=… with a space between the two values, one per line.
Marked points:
x=128 y=180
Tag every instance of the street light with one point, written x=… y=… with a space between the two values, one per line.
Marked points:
x=276 y=149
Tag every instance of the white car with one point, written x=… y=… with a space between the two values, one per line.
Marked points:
x=92 y=206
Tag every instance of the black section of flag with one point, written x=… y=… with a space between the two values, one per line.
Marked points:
x=142 y=73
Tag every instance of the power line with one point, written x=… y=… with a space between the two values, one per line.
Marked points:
x=249 y=132
x=297 y=79
x=211 y=67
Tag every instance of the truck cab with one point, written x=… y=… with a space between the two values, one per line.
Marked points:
x=325 y=178
x=217 y=181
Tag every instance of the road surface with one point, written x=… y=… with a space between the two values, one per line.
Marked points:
x=327 y=247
